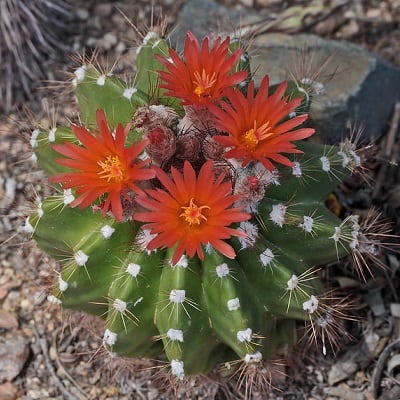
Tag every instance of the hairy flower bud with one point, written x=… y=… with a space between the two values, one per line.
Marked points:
x=212 y=150
x=162 y=144
x=146 y=118
x=189 y=148
x=196 y=120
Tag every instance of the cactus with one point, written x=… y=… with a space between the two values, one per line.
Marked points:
x=206 y=247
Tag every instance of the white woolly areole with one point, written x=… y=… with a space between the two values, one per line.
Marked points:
x=354 y=244
x=252 y=234
x=53 y=299
x=52 y=134
x=175 y=335
x=133 y=269
x=222 y=270
x=253 y=358
x=144 y=238
x=326 y=165
x=110 y=337
x=129 y=92
x=233 y=304
x=244 y=336
x=311 y=305
x=167 y=114
x=307 y=224
x=80 y=73
x=345 y=158
x=62 y=285
x=318 y=87
x=367 y=246
x=107 y=231
x=81 y=258
x=177 y=296
x=34 y=157
x=34 y=136
x=182 y=262
x=101 y=80
x=150 y=35
x=68 y=197
x=39 y=209
x=28 y=228
x=177 y=369
x=266 y=257
x=292 y=283
x=119 y=305
x=268 y=177
x=337 y=234
x=296 y=169
x=209 y=248
x=277 y=215
x=356 y=158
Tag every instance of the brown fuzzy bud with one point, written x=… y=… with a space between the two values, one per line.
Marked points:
x=196 y=120
x=212 y=150
x=162 y=144
x=188 y=148
x=146 y=118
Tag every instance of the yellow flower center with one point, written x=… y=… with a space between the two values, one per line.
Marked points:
x=112 y=169
x=250 y=138
x=192 y=214
x=204 y=83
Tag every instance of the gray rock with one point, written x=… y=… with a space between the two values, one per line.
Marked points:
x=360 y=88
x=8 y=391
x=207 y=16
x=13 y=355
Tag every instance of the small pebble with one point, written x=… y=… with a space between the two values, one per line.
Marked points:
x=82 y=14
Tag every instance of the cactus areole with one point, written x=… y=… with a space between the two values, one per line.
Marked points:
x=190 y=210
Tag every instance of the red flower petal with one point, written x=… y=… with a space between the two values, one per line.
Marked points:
x=255 y=126
x=204 y=75
x=102 y=166
x=198 y=214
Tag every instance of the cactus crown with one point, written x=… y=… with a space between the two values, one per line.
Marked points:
x=191 y=210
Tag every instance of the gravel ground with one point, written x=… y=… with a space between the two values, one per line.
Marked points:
x=50 y=353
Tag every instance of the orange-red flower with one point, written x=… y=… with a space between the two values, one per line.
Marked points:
x=258 y=126
x=191 y=212
x=103 y=166
x=204 y=75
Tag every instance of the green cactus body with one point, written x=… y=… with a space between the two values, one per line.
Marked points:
x=131 y=305
x=235 y=313
x=182 y=319
x=108 y=93
x=87 y=252
x=198 y=312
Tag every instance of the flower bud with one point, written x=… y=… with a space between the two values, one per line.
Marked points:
x=147 y=118
x=212 y=150
x=188 y=148
x=162 y=144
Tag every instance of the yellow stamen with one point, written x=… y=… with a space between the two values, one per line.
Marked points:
x=193 y=214
x=250 y=138
x=112 y=169
x=204 y=83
